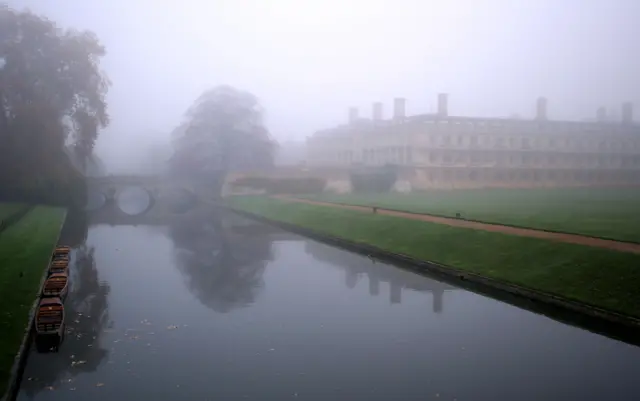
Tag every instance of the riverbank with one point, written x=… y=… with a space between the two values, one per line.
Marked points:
x=595 y=277
x=611 y=213
x=25 y=248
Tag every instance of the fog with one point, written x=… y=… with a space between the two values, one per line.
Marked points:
x=308 y=60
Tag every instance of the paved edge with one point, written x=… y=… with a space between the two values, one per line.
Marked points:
x=624 y=324
x=508 y=229
x=20 y=360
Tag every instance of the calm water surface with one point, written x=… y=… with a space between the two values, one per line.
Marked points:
x=227 y=309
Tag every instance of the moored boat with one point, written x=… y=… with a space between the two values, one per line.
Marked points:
x=58 y=266
x=62 y=250
x=56 y=286
x=49 y=323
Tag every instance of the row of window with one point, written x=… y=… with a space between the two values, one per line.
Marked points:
x=528 y=159
x=406 y=155
x=529 y=143
x=527 y=175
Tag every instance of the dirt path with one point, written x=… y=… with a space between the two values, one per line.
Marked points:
x=524 y=232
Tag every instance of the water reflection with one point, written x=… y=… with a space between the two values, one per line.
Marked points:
x=357 y=267
x=86 y=318
x=221 y=261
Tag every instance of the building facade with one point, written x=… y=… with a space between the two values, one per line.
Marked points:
x=443 y=151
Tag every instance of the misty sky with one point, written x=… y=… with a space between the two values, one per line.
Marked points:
x=309 y=60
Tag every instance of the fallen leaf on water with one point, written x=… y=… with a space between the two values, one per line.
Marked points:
x=30 y=378
x=151 y=332
x=81 y=362
x=76 y=321
x=172 y=327
x=90 y=345
x=99 y=384
x=72 y=389
x=72 y=357
x=50 y=388
x=272 y=349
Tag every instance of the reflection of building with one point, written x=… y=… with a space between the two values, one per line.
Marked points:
x=439 y=150
x=398 y=279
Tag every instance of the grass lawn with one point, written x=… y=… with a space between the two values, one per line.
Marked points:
x=24 y=248
x=612 y=213
x=7 y=209
x=599 y=277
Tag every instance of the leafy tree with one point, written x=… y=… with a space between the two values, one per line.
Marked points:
x=223 y=131
x=52 y=95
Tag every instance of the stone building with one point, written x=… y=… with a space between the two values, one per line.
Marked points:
x=443 y=151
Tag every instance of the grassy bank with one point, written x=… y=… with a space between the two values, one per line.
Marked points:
x=24 y=252
x=612 y=213
x=598 y=277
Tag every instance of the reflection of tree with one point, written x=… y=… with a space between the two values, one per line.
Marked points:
x=222 y=259
x=356 y=266
x=75 y=229
x=86 y=317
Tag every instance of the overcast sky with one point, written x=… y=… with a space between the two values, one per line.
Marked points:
x=309 y=60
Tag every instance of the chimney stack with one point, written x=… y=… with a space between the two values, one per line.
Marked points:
x=353 y=115
x=541 y=109
x=443 y=107
x=377 y=111
x=627 y=113
x=398 y=107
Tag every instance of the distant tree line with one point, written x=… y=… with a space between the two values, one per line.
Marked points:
x=52 y=105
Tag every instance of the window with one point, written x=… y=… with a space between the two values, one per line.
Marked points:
x=512 y=142
x=446 y=140
x=525 y=143
x=500 y=141
x=460 y=140
x=474 y=141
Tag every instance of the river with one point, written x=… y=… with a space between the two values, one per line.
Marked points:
x=218 y=307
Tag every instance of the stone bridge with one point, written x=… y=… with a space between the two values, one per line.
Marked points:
x=163 y=192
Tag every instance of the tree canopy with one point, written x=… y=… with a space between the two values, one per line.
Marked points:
x=52 y=96
x=223 y=131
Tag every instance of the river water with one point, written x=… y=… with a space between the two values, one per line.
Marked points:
x=221 y=308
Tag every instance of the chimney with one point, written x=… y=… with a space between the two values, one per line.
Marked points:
x=627 y=113
x=398 y=107
x=601 y=114
x=541 y=109
x=353 y=115
x=377 y=111
x=443 y=107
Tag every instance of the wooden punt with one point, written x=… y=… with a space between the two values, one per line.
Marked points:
x=49 y=324
x=58 y=267
x=56 y=286
x=59 y=257
x=62 y=250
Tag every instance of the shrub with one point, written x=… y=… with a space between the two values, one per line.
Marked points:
x=374 y=179
x=298 y=185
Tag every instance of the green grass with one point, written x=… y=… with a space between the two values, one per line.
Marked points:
x=7 y=209
x=612 y=213
x=595 y=276
x=24 y=248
